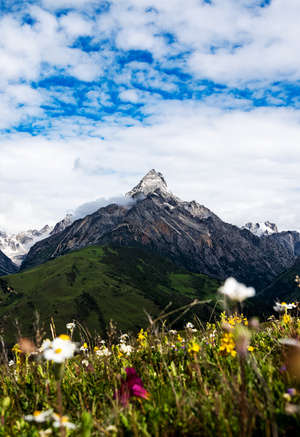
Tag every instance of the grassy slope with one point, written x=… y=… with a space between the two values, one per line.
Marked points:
x=97 y=284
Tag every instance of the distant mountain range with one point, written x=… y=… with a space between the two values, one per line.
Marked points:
x=187 y=233
x=16 y=246
x=145 y=253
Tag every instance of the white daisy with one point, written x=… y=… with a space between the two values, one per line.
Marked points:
x=236 y=291
x=62 y=348
x=38 y=416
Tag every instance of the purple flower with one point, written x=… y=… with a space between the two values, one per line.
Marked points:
x=291 y=391
x=131 y=386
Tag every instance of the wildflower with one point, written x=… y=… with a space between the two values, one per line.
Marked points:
x=16 y=349
x=286 y=319
x=123 y=338
x=250 y=348
x=84 y=347
x=45 y=345
x=125 y=349
x=87 y=366
x=103 y=352
x=236 y=291
x=194 y=348
x=38 y=416
x=62 y=421
x=291 y=391
x=141 y=335
x=189 y=325
x=283 y=306
x=11 y=363
x=131 y=386
x=71 y=326
x=173 y=331
x=227 y=345
x=287 y=397
x=62 y=348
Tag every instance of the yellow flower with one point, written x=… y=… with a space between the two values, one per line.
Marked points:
x=194 y=347
x=286 y=318
x=227 y=345
x=179 y=338
x=141 y=335
x=250 y=348
x=16 y=348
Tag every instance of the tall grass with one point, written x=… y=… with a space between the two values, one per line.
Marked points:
x=234 y=377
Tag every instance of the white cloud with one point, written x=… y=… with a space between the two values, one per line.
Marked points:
x=211 y=143
x=75 y=25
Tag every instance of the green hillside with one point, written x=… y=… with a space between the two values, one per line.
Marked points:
x=97 y=284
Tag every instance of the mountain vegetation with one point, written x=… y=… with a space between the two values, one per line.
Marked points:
x=99 y=284
x=228 y=378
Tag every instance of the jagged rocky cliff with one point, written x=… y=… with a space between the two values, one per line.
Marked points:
x=187 y=233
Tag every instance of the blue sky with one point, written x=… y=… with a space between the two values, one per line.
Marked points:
x=96 y=93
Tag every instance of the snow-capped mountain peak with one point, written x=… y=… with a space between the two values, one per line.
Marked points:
x=16 y=246
x=152 y=182
x=261 y=228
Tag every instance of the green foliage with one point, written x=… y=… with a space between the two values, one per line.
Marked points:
x=97 y=284
x=195 y=388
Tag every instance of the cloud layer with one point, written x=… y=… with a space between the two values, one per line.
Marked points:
x=94 y=94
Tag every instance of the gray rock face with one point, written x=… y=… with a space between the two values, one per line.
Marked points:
x=290 y=240
x=63 y=224
x=187 y=233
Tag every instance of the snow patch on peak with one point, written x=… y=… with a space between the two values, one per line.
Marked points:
x=16 y=246
x=152 y=182
x=261 y=228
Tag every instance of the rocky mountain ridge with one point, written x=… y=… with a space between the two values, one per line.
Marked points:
x=16 y=246
x=289 y=239
x=188 y=233
x=261 y=228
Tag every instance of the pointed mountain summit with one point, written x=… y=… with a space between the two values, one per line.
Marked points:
x=152 y=182
x=187 y=233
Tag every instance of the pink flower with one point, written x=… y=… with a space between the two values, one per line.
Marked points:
x=131 y=386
